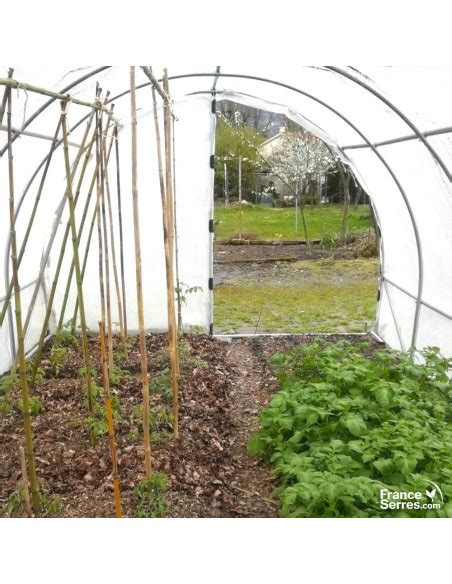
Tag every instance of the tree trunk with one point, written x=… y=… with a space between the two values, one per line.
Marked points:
x=345 y=181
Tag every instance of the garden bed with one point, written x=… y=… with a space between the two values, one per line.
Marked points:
x=209 y=471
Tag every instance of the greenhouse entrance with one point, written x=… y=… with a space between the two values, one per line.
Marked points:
x=114 y=400
x=295 y=248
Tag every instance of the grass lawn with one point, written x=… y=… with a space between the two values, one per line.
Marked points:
x=308 y=296
x=269 y=223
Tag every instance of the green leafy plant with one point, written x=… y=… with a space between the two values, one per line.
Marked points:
x=329 y=240
x=51 y=505
x=118 y=376
x=197 y=362
x=39 y=377
x=150 y=496
x=183 y=291
x=160 y=423
x=97 y=427
x=161 y=383
x=344 y=425
x=63 y=341
x=97 y=422
x=7 y=383
x=194 y=329
x=10 y=384
x=34 y=403
x=58 y=356
x=64 y=337
x=15 y=500
x=82 y=372
x=119 y=352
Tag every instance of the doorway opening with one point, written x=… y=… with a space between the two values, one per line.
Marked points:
x=296 y=245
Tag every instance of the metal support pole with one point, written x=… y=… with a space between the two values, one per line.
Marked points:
x=226 y=194
x=240 y=179
x=400 y=114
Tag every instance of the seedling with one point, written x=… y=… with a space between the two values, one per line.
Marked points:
x=150 y=496
x=119 y=376
x=51 y=505
x=183 y=292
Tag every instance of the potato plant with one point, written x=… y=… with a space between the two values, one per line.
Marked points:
x=343 y=426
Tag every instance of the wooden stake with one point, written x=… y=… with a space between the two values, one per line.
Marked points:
x=172 y=326
x=36 y=499
x=139 y=282
x=70 y=198
x=111 y=427
x=23 y=465
x=121 y=238
x=172 y=335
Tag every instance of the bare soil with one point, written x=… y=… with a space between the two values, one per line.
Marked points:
x=210 y=474
x=363 y=245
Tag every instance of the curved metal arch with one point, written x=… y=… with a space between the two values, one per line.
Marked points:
x=379 y=156
x=398 y=112
x=351 y=125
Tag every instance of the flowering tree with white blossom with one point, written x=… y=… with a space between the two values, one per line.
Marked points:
x=300 y=157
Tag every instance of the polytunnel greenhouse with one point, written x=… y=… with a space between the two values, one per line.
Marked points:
x=107 y=244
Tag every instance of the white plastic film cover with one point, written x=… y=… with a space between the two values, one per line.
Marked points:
x=410 y=192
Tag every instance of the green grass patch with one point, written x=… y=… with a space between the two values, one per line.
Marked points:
x=268 y=223
x=321 y=296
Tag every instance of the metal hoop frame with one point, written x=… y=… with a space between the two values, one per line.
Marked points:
x=366 y=144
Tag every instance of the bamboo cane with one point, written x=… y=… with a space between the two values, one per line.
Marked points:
x=85 y=259
x=44 y=329
x=111 y=427
x=45 y=257
x=106 y=252
x=30 y=222
x=100 y=244
x=40 y=346
x=36 y=499
x=14 y=84
x=168 y=255
x=172 y=326
x=176 y=247
x=85 y=210
x=5 y=96
x=113 y=257
x=70 y=198
x=93 y=221
x=23 y=465
x=121 y=238
x=139 y=283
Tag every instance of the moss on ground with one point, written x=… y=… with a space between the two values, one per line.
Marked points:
x=317 y=296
